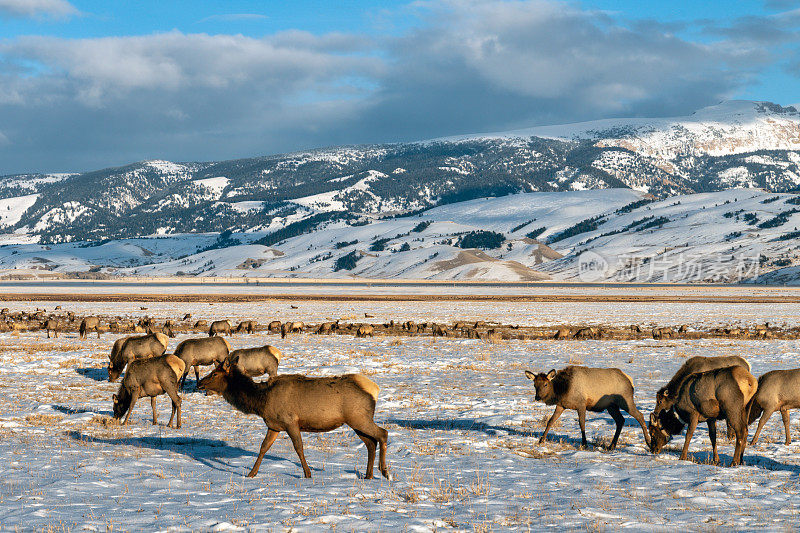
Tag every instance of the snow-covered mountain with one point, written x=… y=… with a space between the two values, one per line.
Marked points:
x=597 y=235
x=734 y=144
x=488 y=206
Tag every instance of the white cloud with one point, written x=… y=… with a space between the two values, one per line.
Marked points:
x=33 y=8
x=466 y=66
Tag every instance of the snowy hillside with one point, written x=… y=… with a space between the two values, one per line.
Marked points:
x=599 y=235
x=734 y=144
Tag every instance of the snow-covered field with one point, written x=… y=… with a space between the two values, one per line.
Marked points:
x=461 y=416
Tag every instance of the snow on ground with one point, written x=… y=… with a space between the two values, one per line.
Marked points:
x=463 y=452
x=12 y=209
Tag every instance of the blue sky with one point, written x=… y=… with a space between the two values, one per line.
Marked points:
x=88 y=84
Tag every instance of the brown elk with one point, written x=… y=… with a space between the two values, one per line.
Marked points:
x=663 y=333
x=202 y=351
x=200 y=324
x=218 y=327
x=52 y=325
x=694 y=365
x=325 y=328
x=246 y=326
x=562 y=333
x=291 y=327
x=254 y=362
x=90 y=323
x=164 y=330
x=187 y=316
x=150 y=377
x=588 y=333
x=294 y=403
x=128 y=349
x=778 y=390
x=365 y=331
x=439 y=331
x=706 y=396
x=594 y=389
x=275 y=326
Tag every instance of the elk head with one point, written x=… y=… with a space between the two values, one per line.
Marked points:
x=543 y=383
x=217 y=381
x=663 y=425
x=122 y=400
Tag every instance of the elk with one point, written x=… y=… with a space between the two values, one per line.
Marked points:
x=694 y=365
x=706 y=396
x=325 y=328
x=200 y=324
x=90 y=323
x=254 y=362
x=582 y=388
x=291 y=327
x=439 y=331
x=52 y=325
x=202 y=351
x=562 y=333
x=663 y=333
x=588 y=333
x=365 y=331
x=275 y=325
x=218 y=327
x=778 y=390
x=187 y=316
x=150 y=377
x=295 y=403
x=246 y=326
x=128 y=349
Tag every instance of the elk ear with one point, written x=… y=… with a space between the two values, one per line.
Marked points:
x=233 y=360
x=551 y=374
x=529 y=374
x=653 y=419
x=226 y=365
x=115 y=398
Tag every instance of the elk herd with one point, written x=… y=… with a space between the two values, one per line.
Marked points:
x=704 y=389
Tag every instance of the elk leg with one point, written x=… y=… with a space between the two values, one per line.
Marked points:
x=550 y=422
x=172 y=392
x=265 y=446
x=689 y=432
x=376 y=433
x=370 y=444
x=634 y=412
x=613 y=410
x=196 y=374
x=712 y=435
x=134 y=397
x=785 y=415
x=297 y=441
x=153 y=405
x=739 y=423
x=761 y=422
x=582 y=423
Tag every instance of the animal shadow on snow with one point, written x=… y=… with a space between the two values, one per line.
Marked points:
x=466 y=424
x=209 y=452
x=750 y=459
x=97 y=374
x=72 y=411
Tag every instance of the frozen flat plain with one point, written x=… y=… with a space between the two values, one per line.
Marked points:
x=462 y=420
x=301 y=288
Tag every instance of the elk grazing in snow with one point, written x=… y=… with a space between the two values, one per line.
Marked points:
x=128 y=349
x=294 y=403
x=778 y=390
x=707 y=396
x=202 y=351
x=588 y=389
x=150 y=377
